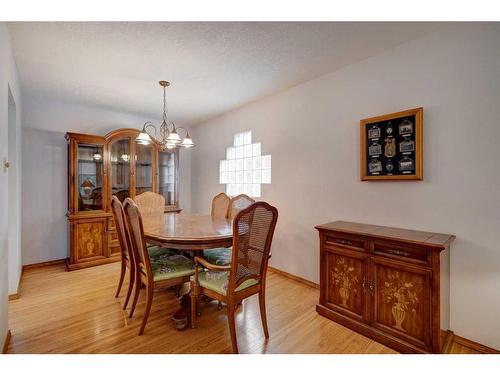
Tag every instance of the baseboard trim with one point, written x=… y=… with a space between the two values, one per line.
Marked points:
x=294 y=277
x=6 y=342
x=474 y=345
x=43 y=264
x=448 y=337
x=17 y=294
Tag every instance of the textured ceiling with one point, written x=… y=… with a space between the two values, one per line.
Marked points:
x=213 y=67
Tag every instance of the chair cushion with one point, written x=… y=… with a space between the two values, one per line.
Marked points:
x=154 y=247
x=155 y=251
x=168 y=265
x=217 y=281
x=220 y=256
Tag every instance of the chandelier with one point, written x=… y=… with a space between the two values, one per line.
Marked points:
x=167 y=136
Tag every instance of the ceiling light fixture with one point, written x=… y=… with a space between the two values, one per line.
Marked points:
x=167 y=136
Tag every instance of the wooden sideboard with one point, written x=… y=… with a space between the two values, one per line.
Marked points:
x=389 y=284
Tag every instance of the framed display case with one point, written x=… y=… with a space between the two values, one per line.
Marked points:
x=392 y=146
x=100 y=167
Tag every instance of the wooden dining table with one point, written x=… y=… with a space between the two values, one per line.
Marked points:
x=188 y=231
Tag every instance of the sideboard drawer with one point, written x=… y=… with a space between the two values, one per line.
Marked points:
x=408 y=254
x=334 y=239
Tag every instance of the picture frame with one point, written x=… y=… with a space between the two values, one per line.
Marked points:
x=392 y=146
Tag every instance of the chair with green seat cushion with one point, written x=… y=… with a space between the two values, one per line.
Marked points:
x=166 y=266
x=158 y=251
x=253 y=229
x=156 y=267
x=127 y=259
x=218 y=281
x=220 y=256
x=153 y=246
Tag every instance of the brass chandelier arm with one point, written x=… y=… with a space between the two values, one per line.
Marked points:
x=177 y=128
x=153 y=138
x=147 y=125
x=165 y=136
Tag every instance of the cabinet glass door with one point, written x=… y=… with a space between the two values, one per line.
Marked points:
x=120 y=168
x=143 y=168
x=166 y=177
x=90 y=172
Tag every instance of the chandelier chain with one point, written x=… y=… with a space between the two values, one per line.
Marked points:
x=164 y=104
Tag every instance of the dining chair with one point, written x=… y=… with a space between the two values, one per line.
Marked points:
x=122 y=194
x=253 y=230
x=127 y=255
x=237 y=204
x=155 y=269
x=150 y=203
x=220 y=205
x=222 y=255
x=127 y=259
x=220 y=209
x=152 y=208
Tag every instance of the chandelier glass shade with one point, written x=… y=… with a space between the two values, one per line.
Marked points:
x=166 y=136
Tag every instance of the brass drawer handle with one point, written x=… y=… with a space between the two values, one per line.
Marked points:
x=372 y=289
x=398 y=252
x=343 y=242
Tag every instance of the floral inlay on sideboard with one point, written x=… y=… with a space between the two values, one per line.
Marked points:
x=344 y=277
x=403 y=295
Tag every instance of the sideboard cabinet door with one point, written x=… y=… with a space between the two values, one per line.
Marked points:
x=89 y=240
x=402 y=301
x=345 y=289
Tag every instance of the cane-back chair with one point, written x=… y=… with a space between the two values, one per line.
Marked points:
x=152 y=208
x=155 y=268
x=222 y=256
x=237 y=204
x=253 y=230
x=220 y=209
x=220 y=205
x=150 y=203
x=127 y=259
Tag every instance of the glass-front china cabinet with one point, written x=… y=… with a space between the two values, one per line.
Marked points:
x=99 y=167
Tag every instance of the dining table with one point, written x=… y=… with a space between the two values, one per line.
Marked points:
x=188 y=232
x=184 y=231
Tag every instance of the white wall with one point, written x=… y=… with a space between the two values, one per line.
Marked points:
x=44 y=195
x=10 y=267
x=14 y=189
x=312 y=133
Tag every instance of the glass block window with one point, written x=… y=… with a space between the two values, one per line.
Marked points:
x=245 y=169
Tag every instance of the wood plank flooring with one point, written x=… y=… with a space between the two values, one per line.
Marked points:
x=76 y=312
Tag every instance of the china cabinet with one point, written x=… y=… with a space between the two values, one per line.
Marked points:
x=389 y=284
x=99 y=167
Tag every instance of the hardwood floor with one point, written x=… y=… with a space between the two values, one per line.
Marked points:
x=76 y=312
